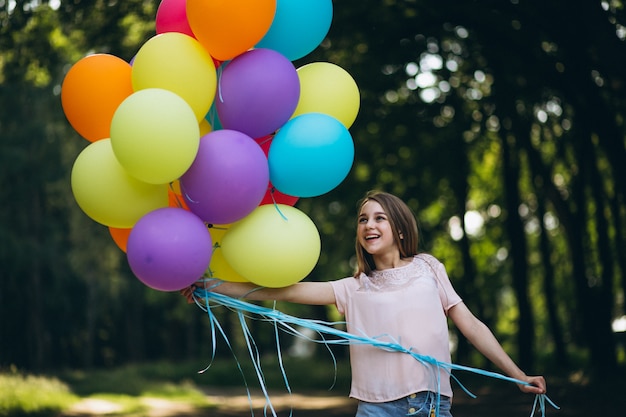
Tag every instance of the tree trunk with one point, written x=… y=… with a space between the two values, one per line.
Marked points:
x=603 y=340
x=517 y=238
x=549 y=290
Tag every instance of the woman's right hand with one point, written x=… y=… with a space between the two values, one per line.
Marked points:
x=188 y=293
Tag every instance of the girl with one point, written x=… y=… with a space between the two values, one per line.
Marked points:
x=398 y=295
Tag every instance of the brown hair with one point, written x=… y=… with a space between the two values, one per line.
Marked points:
x=403 y=223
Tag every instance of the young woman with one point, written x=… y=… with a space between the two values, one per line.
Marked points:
x=398 y=295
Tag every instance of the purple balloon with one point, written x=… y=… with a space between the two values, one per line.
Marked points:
x=257 y=92
x=169 y=249
x=228 y=178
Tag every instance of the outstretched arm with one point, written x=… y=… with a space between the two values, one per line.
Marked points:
x=319 y=293
x=483 y=339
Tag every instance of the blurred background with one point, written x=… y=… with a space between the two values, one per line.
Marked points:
x=501 y=123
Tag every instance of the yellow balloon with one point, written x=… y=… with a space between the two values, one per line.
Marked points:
x=205 y=127
x=219 y=268
x=329 y=89
x=105 y=191
x=177 y=62
x=155 y=135
x=274 y=246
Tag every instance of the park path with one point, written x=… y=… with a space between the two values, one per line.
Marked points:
x=492 y=401
x=233 y=402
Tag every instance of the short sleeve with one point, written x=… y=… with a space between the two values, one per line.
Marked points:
x=447 y=293
x=343 y=288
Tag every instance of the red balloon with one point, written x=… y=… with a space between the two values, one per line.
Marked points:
x=172 y=17
x=272 y=195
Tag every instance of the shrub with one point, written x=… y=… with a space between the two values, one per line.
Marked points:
x=33 y=396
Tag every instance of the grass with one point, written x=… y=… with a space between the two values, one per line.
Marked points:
x=165 y=378
x=128 y=387
x=32 y=395
x=24 y=395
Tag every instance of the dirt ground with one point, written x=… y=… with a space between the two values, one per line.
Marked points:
x=498 y=401
x=574 y=400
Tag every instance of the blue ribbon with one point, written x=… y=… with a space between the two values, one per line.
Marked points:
x=204 y=298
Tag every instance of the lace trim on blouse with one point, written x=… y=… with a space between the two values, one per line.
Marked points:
x=395 y=278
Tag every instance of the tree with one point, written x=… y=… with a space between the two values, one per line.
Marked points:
x=501 y=124
x=538 y=82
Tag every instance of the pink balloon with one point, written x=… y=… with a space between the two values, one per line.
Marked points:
x=228 y=178
x=172 y=17
x=169 y=249
x=257 y=92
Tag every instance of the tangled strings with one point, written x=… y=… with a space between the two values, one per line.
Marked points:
x=329 y=335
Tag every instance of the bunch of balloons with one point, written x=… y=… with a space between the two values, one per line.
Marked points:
x=203 y=143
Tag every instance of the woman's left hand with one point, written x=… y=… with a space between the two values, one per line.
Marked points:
x=537 y=385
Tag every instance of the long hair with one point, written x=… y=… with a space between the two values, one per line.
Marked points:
x=403 y=225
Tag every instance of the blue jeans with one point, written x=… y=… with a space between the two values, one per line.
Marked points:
x=415 y=405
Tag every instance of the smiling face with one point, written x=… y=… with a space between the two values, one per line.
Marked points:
x=375 y=232
x=386 y=232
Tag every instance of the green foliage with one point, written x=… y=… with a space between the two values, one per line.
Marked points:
x=128 y=387
x=33 y=396
x=135 y=381
x=41 y=396
x=511 y=114
x=174 y=380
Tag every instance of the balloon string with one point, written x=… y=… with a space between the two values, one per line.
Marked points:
x=276 y=205
x=216 y=325
x=256 y=359
x=266 y=139
x=176 y=195
x=280 y=359
x=247 y=336
x=203 y=297
x=220 y=71
x=191 y=200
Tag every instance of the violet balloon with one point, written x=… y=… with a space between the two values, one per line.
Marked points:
x=228 y=178
x=169 y=249
x=257 y=92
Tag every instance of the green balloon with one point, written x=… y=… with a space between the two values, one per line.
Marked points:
x=107 y=193
x=274 y=246
x=155 y=135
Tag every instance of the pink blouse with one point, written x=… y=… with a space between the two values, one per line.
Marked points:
x=408 y=306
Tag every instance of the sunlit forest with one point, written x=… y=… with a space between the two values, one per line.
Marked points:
x=501 y=123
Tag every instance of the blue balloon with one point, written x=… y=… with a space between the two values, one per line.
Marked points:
x=299 y=26
x=310 y=155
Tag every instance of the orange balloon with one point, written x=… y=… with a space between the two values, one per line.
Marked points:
x=175 y=187
x=120 y=237
x=175 y=196
x=227 y=28
x=92 y=90
x=176 y=200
